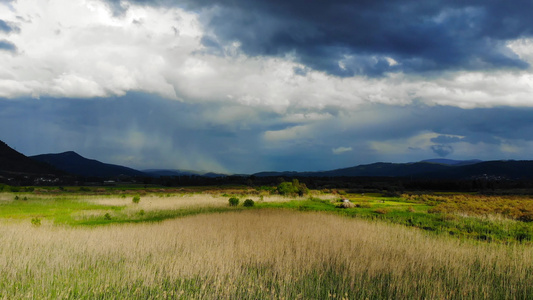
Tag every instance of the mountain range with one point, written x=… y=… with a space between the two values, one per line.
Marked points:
x=73 y=163
x=13 y=162
x=424 y=169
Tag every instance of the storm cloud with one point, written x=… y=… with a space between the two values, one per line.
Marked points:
x=246 y=86
x=347 y=38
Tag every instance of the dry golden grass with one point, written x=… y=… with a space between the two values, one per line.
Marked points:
x=255 y=254
x=156 y=202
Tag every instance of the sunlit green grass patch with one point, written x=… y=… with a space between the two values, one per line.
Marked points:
x=57 y=209
x=150 y=216
x=80 y=210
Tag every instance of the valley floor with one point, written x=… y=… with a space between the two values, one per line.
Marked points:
x=217 y=251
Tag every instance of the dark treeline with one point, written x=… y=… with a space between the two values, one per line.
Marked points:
x=392 y=185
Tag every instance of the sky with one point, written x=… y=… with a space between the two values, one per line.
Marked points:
x=242 y=86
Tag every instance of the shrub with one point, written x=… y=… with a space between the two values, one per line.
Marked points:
x=233 y=201
x=292 y=188
x=141 y=212
x=36 y=221
x=136 y=199
x=248 y=203
x=107 y=216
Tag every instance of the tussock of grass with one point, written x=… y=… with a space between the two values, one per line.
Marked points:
x=256 y=254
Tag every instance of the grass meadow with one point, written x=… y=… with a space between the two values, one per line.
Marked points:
x=195 y=246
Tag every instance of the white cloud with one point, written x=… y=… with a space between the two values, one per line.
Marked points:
x=288 y=134
x=77 y=48
x=341 y=150
x=399 y=146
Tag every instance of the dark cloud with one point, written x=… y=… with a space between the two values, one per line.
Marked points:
x=7 y=46
x=347 y=38
x=442 y=150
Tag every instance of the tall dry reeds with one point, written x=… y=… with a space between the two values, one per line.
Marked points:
x=255 y=254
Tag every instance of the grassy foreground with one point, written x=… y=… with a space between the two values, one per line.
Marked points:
x=256 y=254
x=54 y=246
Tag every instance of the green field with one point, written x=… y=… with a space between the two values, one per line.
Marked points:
x=97 y=243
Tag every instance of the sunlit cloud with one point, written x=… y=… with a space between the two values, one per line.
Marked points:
x=341 y=150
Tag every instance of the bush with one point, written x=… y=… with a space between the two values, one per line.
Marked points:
x=292 y=188
x=248 y=203
x=233 y=201
x=136 y=199
x=107 y=216
x=36 y=222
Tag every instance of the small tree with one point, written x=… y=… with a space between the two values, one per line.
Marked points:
x=248 y=203
x=233 y=201
x=292 y=188
x=286 y=188
x=136 y=199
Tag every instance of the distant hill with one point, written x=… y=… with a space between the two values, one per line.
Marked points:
x=498 y=169
x=371 y=170
x=13 y=162
x=73 y=163
x=166 y=172
x=432 y=169
x=452 y=162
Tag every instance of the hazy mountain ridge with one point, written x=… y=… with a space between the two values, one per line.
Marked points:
x=379 y=169
x=13 y=162
x=73 y=163
x=173 y=172
x=471 y=169
x=453 y=162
